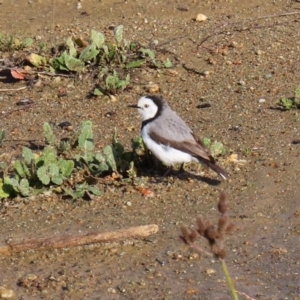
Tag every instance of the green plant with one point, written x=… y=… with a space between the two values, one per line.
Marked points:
x=248 y=151
x=11 y=43
x=289 y=103
x=2 y=136
x=69 y=167
x=113 y=83
x=216 y=148
x=36 y=171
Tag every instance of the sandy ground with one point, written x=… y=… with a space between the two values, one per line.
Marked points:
x=241 y=61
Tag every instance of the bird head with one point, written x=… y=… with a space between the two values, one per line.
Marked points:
x=149 y=106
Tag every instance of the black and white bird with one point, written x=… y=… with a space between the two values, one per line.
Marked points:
x=169 y=138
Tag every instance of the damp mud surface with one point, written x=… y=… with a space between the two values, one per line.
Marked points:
x=240 y=61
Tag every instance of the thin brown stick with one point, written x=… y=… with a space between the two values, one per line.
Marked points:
x=4 y=114
x=12 y=90
x=78 y=240
x=247 y=296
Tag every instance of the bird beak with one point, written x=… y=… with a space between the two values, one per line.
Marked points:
x=133 y=106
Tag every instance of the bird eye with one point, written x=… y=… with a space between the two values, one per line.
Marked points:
x=146 y=105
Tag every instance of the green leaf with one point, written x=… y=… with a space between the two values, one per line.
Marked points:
x=21 y=169
x=24 y=187
x=4 y=190
x=48 y=134
x=101 y=165
x=2 y=136
x=206 y=141
x=11 y=183
x=74 y=64
x=48 y=156
x=72 y=49
x=118 y=32
x=27 y=42
x=43 y=175
x=18 y=167
x=110 y=157
x=98 y=38
x=148 y=52
x=66 y=167
x=94 y=190
x=217 y=148
x=89 y=53
x=85 y=139
x=135 y=64
x=27 y=155
x=97 y=92
x=167 y=63
x=74 y=194
x=59 y=63
x=53 y=170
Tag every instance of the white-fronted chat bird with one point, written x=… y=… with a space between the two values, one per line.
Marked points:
x=169 y=138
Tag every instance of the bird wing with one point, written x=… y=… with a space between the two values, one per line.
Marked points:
x=170 y=130
x=192 y=146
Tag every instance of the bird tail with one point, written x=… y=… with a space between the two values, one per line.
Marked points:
x=219 y=170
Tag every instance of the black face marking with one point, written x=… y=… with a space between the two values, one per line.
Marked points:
x=159 y=103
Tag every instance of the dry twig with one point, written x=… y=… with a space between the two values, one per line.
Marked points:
x=12 y=90
x=78 y=240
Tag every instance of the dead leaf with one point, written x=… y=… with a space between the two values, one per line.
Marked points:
x=18 y=74
x=146 y=193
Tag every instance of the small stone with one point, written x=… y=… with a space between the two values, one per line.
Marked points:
x=201 y=18
x=128 y=203
x=113 y=98
x=152 y=88
x=262 y=100
x=210 y=271
x=242 y=82
x=111 y=290
x=6 y=293
x=268 y=76
x=258 y=52
x=233 y=44
x=56 y=81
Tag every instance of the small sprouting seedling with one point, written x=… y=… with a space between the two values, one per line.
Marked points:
x=2 y=136
x=215 y=236
x=49 y=136
x=289 y=103
x=82 y=191
x=206 y=142
x=114 y=83
x=97 y=92
x=11 y=43
x=248 y=151
x=216 y=148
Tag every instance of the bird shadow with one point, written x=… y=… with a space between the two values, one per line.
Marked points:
x=182 y=175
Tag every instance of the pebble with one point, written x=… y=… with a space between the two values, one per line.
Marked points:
x=262 y=100
x=201 y=18
x=258 y=52
x=152 y=88
x=111 y=290
x=6 y=293
x=210 y=271
x=268 y=76
x=113 y=98
x=56 y=81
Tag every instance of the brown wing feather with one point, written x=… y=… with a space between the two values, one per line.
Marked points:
x=193 y=147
